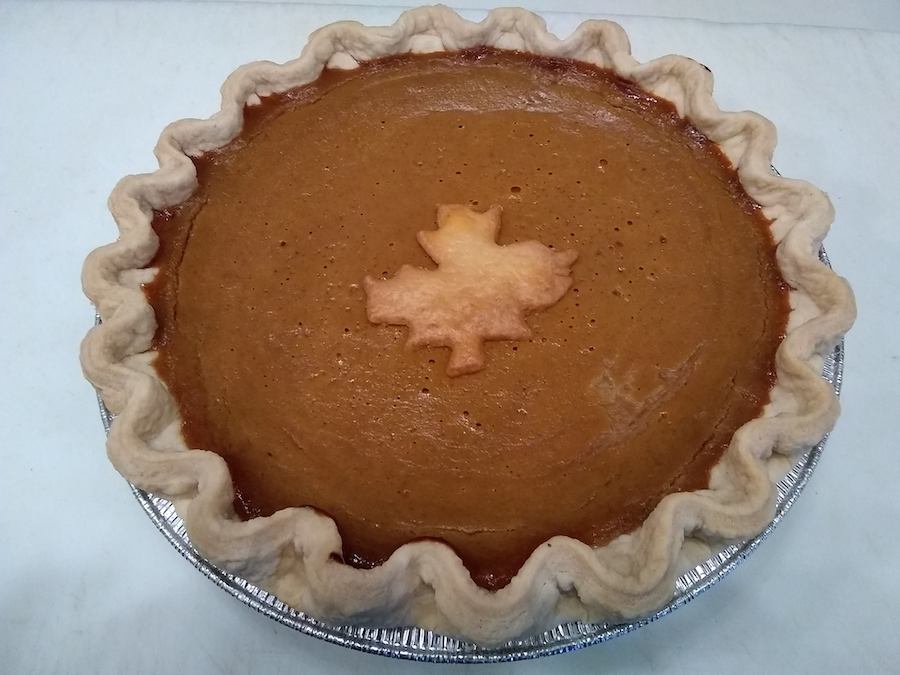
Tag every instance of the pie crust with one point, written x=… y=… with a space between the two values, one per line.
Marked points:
x=291 y=552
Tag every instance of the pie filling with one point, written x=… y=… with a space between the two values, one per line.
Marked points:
x=629 y=387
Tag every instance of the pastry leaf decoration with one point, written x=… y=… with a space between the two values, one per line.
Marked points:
x=480 y=290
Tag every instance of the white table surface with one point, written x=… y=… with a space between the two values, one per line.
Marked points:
x=89 y=586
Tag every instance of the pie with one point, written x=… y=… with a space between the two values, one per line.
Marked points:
x=278 y=362
x=466 y=326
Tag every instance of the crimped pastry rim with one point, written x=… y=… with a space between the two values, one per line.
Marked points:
x=425 y=583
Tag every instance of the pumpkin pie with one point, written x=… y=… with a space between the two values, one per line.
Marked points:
x=463 y=325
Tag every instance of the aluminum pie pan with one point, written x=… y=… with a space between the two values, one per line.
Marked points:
x=418 y=644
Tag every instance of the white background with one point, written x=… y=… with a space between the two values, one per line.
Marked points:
x=89 y=586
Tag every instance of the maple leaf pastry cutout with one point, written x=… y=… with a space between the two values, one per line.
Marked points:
x=479 y=291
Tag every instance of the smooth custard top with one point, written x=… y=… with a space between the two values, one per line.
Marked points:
x=630 y=388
